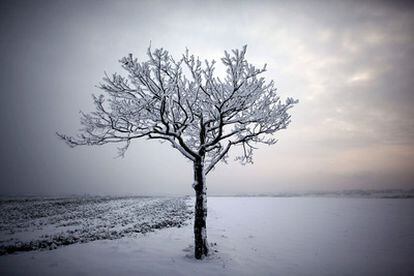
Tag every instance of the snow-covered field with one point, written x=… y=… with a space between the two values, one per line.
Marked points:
x=252 y=236
x=34 y=223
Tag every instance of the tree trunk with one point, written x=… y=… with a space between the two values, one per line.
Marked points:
x=200 y=232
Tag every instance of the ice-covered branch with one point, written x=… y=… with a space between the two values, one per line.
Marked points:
x=200 y=114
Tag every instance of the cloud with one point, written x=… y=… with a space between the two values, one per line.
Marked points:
x=349 y=63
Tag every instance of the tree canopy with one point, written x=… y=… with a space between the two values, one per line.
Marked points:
x=183 y=102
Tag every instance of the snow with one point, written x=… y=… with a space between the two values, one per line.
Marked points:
x=182 y=101
x=253 y=236
x=46 y=223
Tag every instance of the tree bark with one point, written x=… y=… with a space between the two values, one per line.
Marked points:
x=200 y=231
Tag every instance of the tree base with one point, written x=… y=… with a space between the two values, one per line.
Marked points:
x=201 y=250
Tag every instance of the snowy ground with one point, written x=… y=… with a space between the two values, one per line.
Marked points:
x=45 y=224
x=254 y=236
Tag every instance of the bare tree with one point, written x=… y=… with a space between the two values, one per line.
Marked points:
x=183 y=102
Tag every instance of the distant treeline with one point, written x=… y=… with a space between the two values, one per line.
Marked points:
x=395 y=193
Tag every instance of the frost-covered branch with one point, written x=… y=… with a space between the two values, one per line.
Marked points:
x=200 y=114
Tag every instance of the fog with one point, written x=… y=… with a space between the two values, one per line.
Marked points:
x=349 y=63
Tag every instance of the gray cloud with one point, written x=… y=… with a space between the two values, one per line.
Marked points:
x=350 y=64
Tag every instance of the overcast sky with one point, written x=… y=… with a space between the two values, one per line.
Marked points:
x=349 y=63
